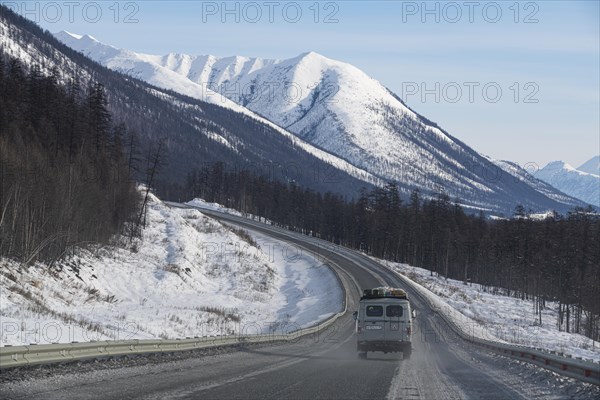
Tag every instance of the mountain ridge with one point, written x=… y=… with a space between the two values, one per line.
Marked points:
x=336 y=107
x=202 y=132
x=572 y=181
x=196 y=133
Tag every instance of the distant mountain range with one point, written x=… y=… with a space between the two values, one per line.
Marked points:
x=582 y=182
x=322 y=123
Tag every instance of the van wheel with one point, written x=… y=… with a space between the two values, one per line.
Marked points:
x=362 y=355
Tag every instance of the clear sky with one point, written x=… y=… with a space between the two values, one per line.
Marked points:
x=515 y=80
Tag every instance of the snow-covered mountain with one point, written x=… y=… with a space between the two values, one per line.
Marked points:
x=521 y=175
x=340 y=109
x=592 y=166
x=572 y=181
x=330 y=104
x=361 y=133
x=194 y=134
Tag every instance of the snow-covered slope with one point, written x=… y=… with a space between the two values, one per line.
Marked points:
x=188 y=275
x=197 y=133
x=168 y=73
x=488 y=315
x=576 y=183
x=336 y=107
x=328 y=103
x=145 y=67
x=592 y=166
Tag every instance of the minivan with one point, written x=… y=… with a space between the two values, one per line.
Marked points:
x=384 y=322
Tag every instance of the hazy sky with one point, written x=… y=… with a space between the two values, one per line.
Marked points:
x=515 y=80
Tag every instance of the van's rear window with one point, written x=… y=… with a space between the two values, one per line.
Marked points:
x=374 y=311
x=393 y=311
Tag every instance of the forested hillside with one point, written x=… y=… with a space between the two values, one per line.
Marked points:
x=64 y=171
x=550 y=259
x=192 y=133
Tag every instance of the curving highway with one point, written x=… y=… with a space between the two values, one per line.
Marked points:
x=317 y=367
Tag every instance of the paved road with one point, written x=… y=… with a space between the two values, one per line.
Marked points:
x=322 y=367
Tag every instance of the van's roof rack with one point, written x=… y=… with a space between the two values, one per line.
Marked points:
x=384 y=292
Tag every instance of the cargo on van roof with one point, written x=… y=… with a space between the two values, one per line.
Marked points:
x=381 y=292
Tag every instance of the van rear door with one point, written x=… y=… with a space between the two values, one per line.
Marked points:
x=394 y=320
x=374 y=321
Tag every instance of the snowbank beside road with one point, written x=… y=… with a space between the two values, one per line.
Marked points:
x=189 y=275
x=202 y=204
x=496 y=317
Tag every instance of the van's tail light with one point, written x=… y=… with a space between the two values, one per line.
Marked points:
x=408 y=330
x=359 y=329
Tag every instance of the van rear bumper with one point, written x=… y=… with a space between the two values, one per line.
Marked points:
x=383 y=345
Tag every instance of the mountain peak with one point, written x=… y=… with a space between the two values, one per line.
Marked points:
x=66 y=35
x=558 y=165
x=572 y=181
x=87 y=44
x=90 y=37
x=592 y=166
x=312 y=56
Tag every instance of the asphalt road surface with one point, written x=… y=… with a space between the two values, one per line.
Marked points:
x=323 y=366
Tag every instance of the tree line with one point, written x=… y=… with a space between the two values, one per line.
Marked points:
x=551 y=259
x=65 y=168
